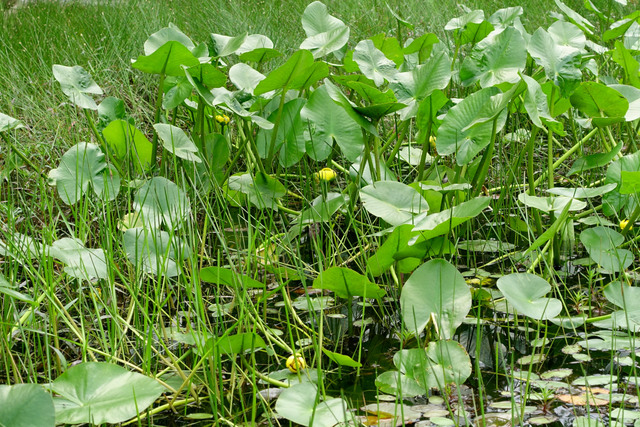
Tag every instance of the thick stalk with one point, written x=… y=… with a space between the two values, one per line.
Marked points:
x=425 y=144
x=483 y=168
x=154 y=141
x=274 y=132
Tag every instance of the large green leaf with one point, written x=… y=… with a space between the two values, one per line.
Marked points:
x=384 y=257
x=437 y=224
x=26 y=405
x=298 y=404
x=8 y=123
x=525 y=292
x=435 y=291
x=630 y=66
x=603 y=104
x=176 y=141
x=346 y=283
x=373 y=63
x=448 y=363
x=341 y=359
x=154 y=251
x=261 y=190
x=393 y=201
x=81 y=263
x=593 y=161
x=466 y=144
x=412 y=87
x=227 y=277
x=164 y=35
x=602 y=244
x=78 y=85
x=325 y=33
x=495 y=60
x=349 y=107
x=299 y=72
x=167 y=59
x=289 y=140
x=238 y=343
x=470 y=27
x=225 y=45
x=632 y=94
x=82 y=165
x=97 y=393
x=560 y=63
x=127 y=142
x=551 y=204
x=330 y=122
x=161 y=201
x=535 y=102
x=244 y=77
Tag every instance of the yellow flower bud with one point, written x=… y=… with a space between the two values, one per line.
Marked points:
x=432 y=142
x=326 y=175
x=223 y=119
x=624 y=223
x=295 y=362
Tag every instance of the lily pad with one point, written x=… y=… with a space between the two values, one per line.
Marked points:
x=525 y=292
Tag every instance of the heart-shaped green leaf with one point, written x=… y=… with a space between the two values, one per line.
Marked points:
x=8 y=123
x=329 y=122
x=81 y=263
x=161 y=201
x=167 y=59
x=176 y=141
x=495 y=60
x=299 y=72
x=154 y=251
x=325 y=33
x=298 y=404
x=82 y=165
x=525 y=292
x=602 y=244
x=78 y=85
x=127 y=142
x=26 y=405
x=261 y=190
x=393 y=201
x=346 y=283
x=97 y=393
x=436 y=292
x=373 y=63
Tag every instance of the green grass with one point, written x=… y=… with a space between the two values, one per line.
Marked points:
x=135 y=319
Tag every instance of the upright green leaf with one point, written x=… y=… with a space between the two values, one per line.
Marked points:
x=325 y=33
x=227 y=277
x=466 y=144
x=78 y=85
x=164 y=35
x=602 y=244
x=261 y=190
x=9 y=123
x=330 y=122
x=393 y=201
x=560 y=64
x=495 y=60
x=603 y=104
x=436 y=292
x=299 y=72
x=373 y=63
x=127 y=142
x=167 y=59
x=289 y=140
x=176 y=141
x=225 y=45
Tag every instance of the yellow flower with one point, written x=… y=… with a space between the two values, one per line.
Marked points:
x=223 y=119
x=295 y=362
x=326 y=175
x=624 y=223
x=432 y=142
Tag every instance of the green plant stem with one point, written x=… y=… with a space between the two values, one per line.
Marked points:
x=483 y=168
x=565 y=156
x=158 y=110
x=274 y=132
x=425 y=144
x=24 y=158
